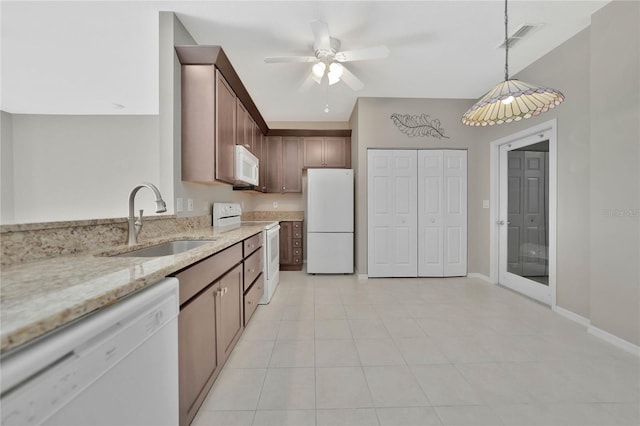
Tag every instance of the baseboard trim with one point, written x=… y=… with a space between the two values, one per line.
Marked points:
x=480 y=276
x=363 y=276
x=615 y=340
x=572 y=316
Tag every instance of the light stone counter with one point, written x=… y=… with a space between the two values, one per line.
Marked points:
x=38 y=297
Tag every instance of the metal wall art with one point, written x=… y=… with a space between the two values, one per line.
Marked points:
x=418 y=125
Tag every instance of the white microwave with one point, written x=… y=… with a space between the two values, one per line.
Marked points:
x=246 y=167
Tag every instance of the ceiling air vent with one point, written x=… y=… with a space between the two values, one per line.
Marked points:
x=523 y=31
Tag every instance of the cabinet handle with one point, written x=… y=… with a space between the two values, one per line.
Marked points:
x=248 y=302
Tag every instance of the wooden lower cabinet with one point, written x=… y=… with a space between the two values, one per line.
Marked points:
x=209 y=325
x=229 y=321
x=291 y=246
x=197 y=352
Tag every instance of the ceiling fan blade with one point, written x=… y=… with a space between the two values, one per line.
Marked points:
x=351 y=80
x=281 y=59
x=377 y=52
x=321 y=35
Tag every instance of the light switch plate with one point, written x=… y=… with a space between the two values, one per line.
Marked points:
x=275 y=204
x=485 y=204
x=179 y=205
x=190 y=204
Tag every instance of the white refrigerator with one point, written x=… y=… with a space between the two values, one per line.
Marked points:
x=330 y=221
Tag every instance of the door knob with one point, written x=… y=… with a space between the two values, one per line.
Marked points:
x=502 y=222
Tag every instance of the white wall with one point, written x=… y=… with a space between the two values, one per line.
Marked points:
x=81 y=167
x=6 y=168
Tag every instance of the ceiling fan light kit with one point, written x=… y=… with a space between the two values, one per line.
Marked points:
x=511 y=100
x=329 y=59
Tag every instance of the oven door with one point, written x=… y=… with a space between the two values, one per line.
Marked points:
x=272 y=265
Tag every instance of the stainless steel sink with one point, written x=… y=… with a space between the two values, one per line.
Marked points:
x=165 y=249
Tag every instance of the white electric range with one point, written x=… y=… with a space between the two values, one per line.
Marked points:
x=226 y=216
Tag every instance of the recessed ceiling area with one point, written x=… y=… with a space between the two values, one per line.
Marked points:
x=92 y=57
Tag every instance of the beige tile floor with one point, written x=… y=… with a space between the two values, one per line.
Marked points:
x=335 y=350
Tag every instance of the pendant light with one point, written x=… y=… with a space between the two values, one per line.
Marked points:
x=511 y=100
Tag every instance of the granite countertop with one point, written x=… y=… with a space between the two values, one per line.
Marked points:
x=38 y=297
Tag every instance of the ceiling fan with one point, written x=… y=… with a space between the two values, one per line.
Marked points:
x=328 y=59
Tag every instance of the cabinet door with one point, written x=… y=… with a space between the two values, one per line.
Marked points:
x=291 y=165
x=286 y=249
x=264 y=164
x=225 y=130
x=243 y=126
x=274 y=164
x=312 y=152
x=335 y=152
x=198 y=134
x=196 y=349
x=229 y=313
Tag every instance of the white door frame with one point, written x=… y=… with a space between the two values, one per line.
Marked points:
x=550 y=129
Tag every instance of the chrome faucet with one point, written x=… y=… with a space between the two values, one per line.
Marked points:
x=136 y=225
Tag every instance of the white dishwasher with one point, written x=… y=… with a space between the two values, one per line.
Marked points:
x=118 y=366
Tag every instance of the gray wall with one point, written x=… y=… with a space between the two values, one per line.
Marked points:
x=373 y=128
x=615 y=174
x=598 y=194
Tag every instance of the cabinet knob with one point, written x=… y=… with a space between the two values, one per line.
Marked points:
x=248 y=302
x=284 y=187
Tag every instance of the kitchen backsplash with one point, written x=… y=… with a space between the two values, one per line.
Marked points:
x=36 y=241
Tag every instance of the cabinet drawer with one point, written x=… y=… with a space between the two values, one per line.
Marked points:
x=251 y=244
x=252 y=297
x=297 y=225
x=297 y=252
x=297 y=260
x=252 y=267
x=297 y=243
x=203 y=273
x=297 y=233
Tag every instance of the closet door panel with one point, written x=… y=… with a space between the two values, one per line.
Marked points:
x=430 y=212
x=455 y=216
x=380 y=204
x=392 y=205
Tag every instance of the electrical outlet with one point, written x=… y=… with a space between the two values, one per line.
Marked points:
x=179 y=205
x=190 y=204
x=485 y=204
x=275 y=204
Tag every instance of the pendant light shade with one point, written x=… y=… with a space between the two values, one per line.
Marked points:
x=511 y=100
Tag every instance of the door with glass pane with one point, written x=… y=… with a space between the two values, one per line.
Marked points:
x=524 y=218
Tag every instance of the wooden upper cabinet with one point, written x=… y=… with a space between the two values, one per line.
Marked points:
x=225 y=126
x=313 y=152
x=331 y=152
x=244 y=130
x=284 y=164
x=262 y=163
x=291 y=164
x=273 y=148
x=208 y=125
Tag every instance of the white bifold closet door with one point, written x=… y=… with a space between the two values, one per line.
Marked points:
x=417 y=213
x=442 y=213
x=392 y=207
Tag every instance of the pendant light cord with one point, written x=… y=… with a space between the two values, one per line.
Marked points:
x=506 y=43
